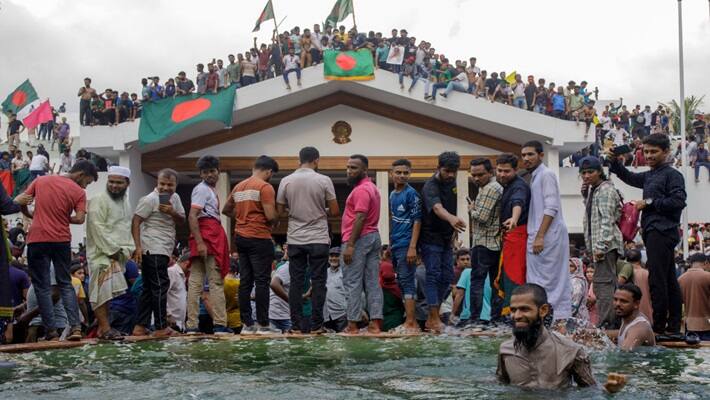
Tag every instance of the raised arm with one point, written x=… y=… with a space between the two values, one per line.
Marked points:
x=630 y=178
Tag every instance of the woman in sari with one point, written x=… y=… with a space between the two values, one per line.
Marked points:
x=580 y=289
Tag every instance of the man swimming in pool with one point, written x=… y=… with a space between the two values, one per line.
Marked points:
x=539 y=358
x=635 y=329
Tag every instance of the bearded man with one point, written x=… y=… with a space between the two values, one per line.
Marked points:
x=109 y=245
x=537 y=358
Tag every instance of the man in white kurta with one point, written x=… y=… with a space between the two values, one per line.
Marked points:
x=108 y=246
x=547 y=256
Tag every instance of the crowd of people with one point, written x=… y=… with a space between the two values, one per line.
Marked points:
x=521 y=271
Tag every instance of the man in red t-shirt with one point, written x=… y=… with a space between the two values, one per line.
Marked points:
x=361 y=247
x=253 y=205
x=56 y=198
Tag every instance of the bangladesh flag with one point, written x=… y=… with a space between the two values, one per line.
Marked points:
x=266 y=15
x=19 y=98
x=340 y=11
x=348 y=65
x=164 y=117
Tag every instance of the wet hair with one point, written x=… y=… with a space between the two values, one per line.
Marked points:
x=402 y=161
x=633 y=289
x=362 y=158
x=462 y=252
x=208 y=162
x=449 y=160
x=483 y=161
x=658 y=140
x=538 y=292
x=266 y=163
x=535 y=145
x=86 y=167
x=697 y=258
x=168 y=173
x=508 y=158
x=308 y=155
x=633 y=255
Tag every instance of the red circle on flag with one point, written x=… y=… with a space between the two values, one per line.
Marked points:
x=189 y=109
x=345 y=62
x=19 y=98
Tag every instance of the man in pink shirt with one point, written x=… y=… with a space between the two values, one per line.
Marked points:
x=59 y=200
x=360 y=256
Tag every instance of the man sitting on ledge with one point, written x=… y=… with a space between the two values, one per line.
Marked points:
x=538 y=358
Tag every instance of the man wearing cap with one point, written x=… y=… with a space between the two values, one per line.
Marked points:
x=601 y=235
x=334 y=312
x=109 y=245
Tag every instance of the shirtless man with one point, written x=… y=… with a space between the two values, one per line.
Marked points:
x=635 y=329
x=306 y=44
x=86 y=93
x=587 y=115
x=537 y=358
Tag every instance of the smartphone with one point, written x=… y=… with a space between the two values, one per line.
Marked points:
x=164 y=198
x=623 y=149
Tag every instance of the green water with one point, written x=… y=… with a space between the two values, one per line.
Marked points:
x=325 y=368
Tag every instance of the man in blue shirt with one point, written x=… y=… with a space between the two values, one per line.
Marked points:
x=406 y=213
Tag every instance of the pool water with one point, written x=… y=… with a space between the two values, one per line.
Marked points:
x=326 y=368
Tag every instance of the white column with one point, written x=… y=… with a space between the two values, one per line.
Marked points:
x=462 y=205
x=224 y=188
x=141 y=184
x=552 y=159
x=382 y=181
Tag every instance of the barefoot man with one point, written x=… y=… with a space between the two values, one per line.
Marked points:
x=108 y=247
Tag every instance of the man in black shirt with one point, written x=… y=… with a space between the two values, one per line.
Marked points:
x=14 y=128
x=514 y=205
x=439 y=223
x=699 y=126
x=663 y=202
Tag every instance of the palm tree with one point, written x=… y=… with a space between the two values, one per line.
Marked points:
x=692 y=104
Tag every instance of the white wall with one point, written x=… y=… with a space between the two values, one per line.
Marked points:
x=372 y=135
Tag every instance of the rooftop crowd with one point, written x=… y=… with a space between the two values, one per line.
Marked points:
x=521 y=270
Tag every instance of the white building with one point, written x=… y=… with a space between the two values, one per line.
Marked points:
x=386 y=123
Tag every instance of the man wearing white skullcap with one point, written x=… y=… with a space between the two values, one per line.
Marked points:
x=109 y=246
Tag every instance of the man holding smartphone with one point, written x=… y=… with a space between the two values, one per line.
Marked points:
x=153 y=230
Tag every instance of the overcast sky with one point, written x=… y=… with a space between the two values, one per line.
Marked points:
x=627 y=48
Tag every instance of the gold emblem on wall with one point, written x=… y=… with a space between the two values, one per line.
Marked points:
x=341 y=132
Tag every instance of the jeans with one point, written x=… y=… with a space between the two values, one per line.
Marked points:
x=154 y=297
x=363 y=273
x=604 y=287
x=288 y=71
x=301 y=257
x=39 y=257
x=484 y=263
x=699 y=164
x=35 y=174
x=255 y=259
x=520 y=103
x=248 y=80
x=665 y=292
x=439 y=263
x=539 y=108
x=457 y=86
x=437 y=86
x=199 y=268
x=284 y=325
x=405 y=273
x=86 y=116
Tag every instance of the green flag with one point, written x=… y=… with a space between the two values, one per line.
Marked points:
x=19 y=98
x=266 y=15
x=341 y=10
x=164 y=117
x=348 y=65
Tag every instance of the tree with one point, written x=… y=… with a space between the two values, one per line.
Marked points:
x=692 y=105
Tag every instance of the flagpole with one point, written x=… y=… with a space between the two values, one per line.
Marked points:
x=276 y=27
x=353 y=5
x=681 y=105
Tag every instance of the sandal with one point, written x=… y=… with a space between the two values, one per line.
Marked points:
x=75 y=334
x=112 y=334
